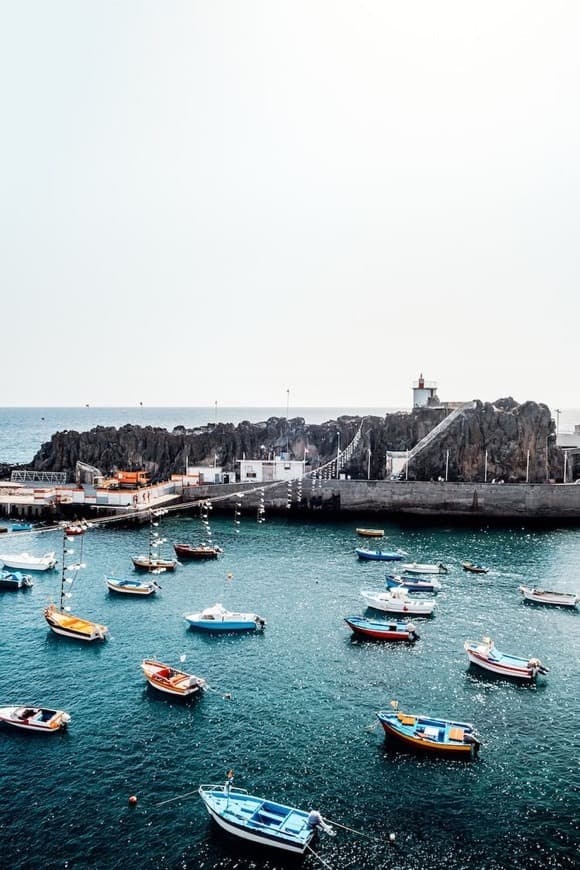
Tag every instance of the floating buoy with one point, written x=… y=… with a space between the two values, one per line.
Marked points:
x=230 y=576
x=392 y=838
x=133 y=799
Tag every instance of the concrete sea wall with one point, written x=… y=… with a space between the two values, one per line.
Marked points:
x=465 y=500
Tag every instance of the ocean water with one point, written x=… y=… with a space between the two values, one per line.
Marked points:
x=292 y=710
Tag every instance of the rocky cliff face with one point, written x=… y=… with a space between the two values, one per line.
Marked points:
x=505 y=429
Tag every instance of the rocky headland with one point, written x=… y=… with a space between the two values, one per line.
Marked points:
x=513 y=441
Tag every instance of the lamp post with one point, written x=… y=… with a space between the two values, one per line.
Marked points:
x=369 y=464
x=337 y=453
x=485 y=469
x=528 y=467
x=446 y=466
x=548 y=437
x=565 y=465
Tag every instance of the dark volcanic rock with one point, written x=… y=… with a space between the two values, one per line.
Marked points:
x=507 y=431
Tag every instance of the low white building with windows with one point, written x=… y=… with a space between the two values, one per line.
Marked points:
x=267 y=470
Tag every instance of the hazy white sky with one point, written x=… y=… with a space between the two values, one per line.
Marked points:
x=220 y=201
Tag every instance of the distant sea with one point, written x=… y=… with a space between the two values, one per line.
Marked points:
x=24 y=430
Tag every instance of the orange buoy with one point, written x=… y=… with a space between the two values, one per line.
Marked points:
x=133 y=799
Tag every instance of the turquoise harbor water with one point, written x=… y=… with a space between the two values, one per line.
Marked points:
x=302 y=696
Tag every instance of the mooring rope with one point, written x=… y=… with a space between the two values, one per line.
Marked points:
x=318 y=857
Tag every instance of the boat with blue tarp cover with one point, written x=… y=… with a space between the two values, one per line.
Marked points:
x=411 y=585
x=426 y=733
x=259 y=820
x=375 y=629
x=378 y=555
x=15 y=580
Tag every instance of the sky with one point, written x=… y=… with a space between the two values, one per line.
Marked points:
x=222 y=201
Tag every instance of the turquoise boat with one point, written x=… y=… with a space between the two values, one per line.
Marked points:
x=217 y=618
x=378 y=555
x=259 y=820
x=425 y=733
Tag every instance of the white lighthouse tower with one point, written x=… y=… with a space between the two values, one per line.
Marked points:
x=424 y=393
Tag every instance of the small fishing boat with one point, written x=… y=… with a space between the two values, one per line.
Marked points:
x=259 y=820
x=546 y=596
x=59 y=619
x=170 y=680
x=474 y=569
x=378 y=555
x=202 y=551
x=428 y=734
x=381 y=630
x=15 y=580
x=485 y=655
x=412 y=585
x=154 y=565
x=418 y=568
x=26 y=562
x=217 y=618
x=31 y=718
x=398 y=601
x=132 y=587
x=21 y=527
x=371 y=533
x=75 y=529
x=152 y=561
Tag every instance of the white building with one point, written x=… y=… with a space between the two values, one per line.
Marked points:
x=424 y=393
x=266 y=470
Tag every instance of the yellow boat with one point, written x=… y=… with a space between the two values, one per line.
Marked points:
x=73 y=626
x=371 y=533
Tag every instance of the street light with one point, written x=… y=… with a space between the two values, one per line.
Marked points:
x=548 y=437
x=369 y=464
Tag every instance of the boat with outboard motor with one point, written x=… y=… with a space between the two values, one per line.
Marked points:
x=131 y=587
x=486 y=655
x=15 y=580
x=217 y=618
x=411 y=584
x=474 y=569
x=424 y=568
x=171 y=680
x=259 y=820
x=429 y=734
x=549 y=596
x=398 y=601
x=374 y=629
x=38 y=719
x=200 y=551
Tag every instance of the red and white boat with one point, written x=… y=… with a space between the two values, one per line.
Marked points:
x=38 y=719
x=375 y=629
x=170 y=680
x=485 y=655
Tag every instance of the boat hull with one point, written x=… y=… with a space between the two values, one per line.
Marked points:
x=125 y=587
x=184 y=551
x=166 y=679
x=432 y=736
x=15 y=580
x=371 y=533
x=413 y=585
x=146 y=564
x=226 y=625
x=391 y=604
x=74 y=627
x=40 y=720
x=374 y=630
x=415 y=568
x=24 y=562
x=377 y=556
x=554 y=599
x=502 y=664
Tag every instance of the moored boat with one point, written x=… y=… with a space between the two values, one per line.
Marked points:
x=547 y=596
x=15 y=580
x=375 y=629
x=412 y=584
x=474 y=569
x=21 y=527
x=378 y=555
x=217 y=618
x=154 y=565
x=371 y=533
x=260 y=820
x=424 y=568
x=201 y=551
x=429 y=734
x=132 y=587
x=397 y=601
x=26 y=562
x=171 y=680
x=485 y=655
x=39 y=719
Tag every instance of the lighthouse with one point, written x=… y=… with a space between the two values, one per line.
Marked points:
x=424 y=393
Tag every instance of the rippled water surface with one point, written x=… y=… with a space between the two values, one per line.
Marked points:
x=293 y=710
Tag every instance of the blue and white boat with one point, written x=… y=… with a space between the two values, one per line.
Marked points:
x=375 y=629
x=412 y=584
x=217 y=618
x=486 y=655
x=431 y=735
x=378 y=555
x=15 y=580
x=259 y=820
x=21 y=527
x=132 y=587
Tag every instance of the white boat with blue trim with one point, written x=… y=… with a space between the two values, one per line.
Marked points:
x=39 y=719
x=217 y=618
x=132 y=587
x=486 y=655
x=260 y=820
